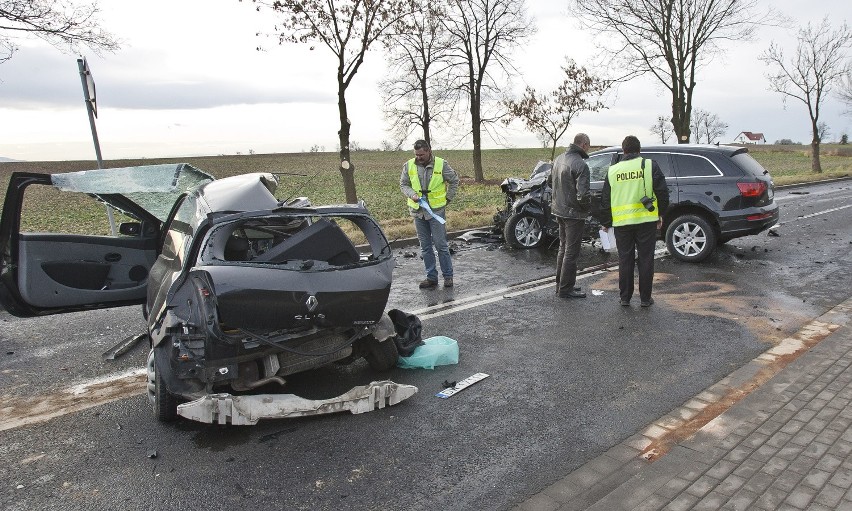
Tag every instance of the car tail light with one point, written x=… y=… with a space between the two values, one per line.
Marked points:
x=755 y=189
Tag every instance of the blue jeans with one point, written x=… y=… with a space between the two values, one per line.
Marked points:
x=432 y=232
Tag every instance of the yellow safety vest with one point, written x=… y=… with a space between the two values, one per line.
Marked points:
x=437 y=191
x=629 y=181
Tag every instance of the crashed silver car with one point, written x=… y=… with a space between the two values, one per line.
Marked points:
x=239 y=289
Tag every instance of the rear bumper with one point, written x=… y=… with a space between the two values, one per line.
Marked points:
x=748 y=222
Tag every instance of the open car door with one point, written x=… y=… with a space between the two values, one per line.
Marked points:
x=58 y=251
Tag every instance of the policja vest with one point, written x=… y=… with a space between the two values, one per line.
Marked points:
x=629 y=181
x=436 y=195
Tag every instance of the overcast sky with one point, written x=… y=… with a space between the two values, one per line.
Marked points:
x=188 y=81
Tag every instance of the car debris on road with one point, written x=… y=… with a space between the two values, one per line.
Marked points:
x=248 y=410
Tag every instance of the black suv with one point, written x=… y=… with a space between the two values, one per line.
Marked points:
x=717 y=193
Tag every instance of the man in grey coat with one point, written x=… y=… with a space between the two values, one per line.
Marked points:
x=570 y=206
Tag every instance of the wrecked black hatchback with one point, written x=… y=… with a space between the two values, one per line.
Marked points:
x=239 y=289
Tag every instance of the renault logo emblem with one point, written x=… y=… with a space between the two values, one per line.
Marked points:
x=312 y=303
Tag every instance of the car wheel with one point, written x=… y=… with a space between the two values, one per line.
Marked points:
x=163 y=403
x=382 y=356
x=690 y=238
x=523 y=231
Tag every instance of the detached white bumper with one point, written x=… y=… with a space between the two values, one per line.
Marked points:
x=247 y=410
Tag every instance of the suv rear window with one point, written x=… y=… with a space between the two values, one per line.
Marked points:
x=749 y=164
x=694 y=166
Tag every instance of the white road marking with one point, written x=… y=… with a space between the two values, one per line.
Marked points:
x=827 y=211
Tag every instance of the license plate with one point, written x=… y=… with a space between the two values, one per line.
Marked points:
x=460 y=386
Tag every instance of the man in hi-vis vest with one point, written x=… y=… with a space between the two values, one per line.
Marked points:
x=635 y=196
x=429 y=184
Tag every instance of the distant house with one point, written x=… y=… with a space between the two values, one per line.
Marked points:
x=748 y=137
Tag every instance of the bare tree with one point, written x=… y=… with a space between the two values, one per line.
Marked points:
x=707 y=127
x=417 y=90
x=669 y=39
x=844 y=91
x=824 y=131
x=663 y=128
x=65 y=25
x=549 y=115
x=818 y=64
x=484 y=33
x=348 y=28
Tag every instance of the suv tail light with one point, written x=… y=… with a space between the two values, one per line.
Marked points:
x=755 y=189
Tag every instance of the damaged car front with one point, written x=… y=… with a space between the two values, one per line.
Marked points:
x=240 y=289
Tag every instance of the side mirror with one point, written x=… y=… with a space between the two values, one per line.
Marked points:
x=130 y=228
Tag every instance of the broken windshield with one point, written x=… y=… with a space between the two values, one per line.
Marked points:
x=153 y=187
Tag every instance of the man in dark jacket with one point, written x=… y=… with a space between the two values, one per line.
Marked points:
x=634 y=202
x=570 y=206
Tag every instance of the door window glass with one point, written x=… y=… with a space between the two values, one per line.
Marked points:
x=48 y=210
x=663 y=161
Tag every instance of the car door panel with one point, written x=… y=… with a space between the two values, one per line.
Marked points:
x=62 y=270
x=49 y=266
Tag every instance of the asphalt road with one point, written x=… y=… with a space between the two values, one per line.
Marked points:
x=568 y=379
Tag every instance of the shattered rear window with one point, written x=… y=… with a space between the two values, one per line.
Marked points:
x=300 y=242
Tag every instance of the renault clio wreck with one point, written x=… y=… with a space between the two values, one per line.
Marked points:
x=238 y=288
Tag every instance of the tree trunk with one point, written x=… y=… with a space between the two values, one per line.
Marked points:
x=347 y=168
x=427 y=134
x=476 y=127
x=815 y=165
x=680 y=121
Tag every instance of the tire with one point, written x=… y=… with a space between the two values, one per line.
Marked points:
x=163 y=403
x=382 y=356
x=523 y=230
x=690 y=238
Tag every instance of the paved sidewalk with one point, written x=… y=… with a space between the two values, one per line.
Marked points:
x=787 y=445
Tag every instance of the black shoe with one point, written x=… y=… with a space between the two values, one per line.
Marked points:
x=429 y=284
x=448 y=282
x=576 y=288
x=648 y=303
x=624 y=303
x=573 y=294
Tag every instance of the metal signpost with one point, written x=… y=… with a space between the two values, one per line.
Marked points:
x=92 y=109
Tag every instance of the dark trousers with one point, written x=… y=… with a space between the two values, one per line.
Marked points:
x=570 y=236
x=642 y=238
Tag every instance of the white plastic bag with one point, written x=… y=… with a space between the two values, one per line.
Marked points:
x=608 y=239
